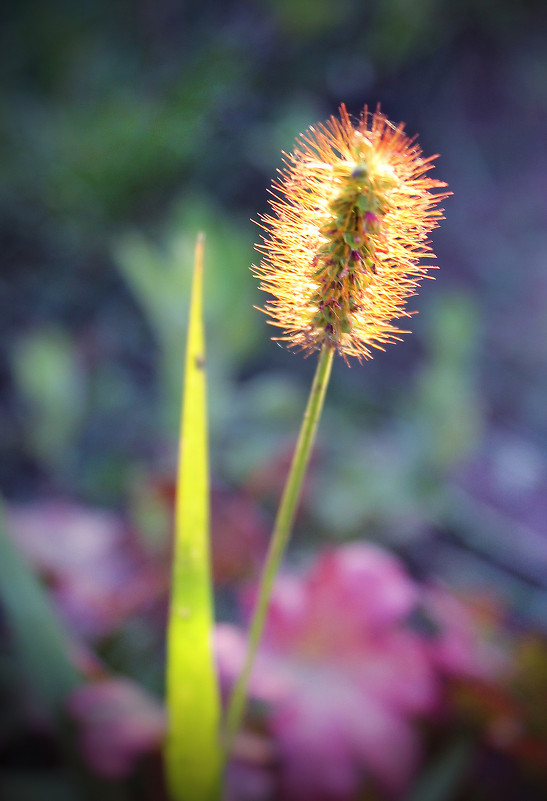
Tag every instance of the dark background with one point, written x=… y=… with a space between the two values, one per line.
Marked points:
x=126 y=127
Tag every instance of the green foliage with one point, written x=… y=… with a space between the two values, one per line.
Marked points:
x=446 y=400
x=51 y=384
x=442 y=779
x=40 y=640
x=389 y=480
x=160 y=287
x=96 y=139
x=40 y=786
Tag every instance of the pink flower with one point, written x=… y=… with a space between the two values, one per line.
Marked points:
x=342 y=674
x=118 y=724
x=97 y=575
x=463 y=646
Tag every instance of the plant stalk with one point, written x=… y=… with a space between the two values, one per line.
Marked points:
x=281 y=533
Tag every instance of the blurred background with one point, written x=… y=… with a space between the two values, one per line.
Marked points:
x=126 y=128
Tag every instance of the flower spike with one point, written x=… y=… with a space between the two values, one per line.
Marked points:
x=343 y=250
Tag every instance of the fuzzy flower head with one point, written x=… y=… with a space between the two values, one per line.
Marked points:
x=343 y=250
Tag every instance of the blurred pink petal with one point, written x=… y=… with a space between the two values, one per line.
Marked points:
x=345 y=676
x=247 y=782
x=317 y=761
x=364 y=580
x=462 y=648
x=118 y=724
x=288 y=614
x=267 y=684
x=342 y=673
x=97 y=575
x=330 y=733
x=61 y=537
x=398 y=670
x=248 y=776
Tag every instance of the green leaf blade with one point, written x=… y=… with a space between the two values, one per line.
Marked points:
x=193 y=755
x=42 y=644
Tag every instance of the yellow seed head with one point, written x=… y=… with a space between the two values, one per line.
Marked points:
x=343 y=250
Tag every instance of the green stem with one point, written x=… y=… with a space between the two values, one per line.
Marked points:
x=282 y=529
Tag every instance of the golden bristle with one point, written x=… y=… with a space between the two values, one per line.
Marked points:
x=343 y=251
